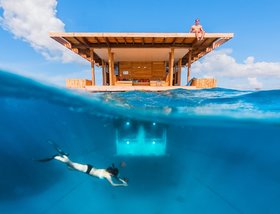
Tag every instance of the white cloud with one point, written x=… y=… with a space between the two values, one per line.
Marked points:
x=57 y=76
x=254 y=82
x=249 y=74
x=31 y=20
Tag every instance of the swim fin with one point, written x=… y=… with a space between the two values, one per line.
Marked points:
x=59 y=150
x=45 y=159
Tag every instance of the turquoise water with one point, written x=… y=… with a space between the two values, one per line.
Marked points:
x=206 y=151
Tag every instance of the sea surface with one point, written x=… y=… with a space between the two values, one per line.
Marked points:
x=219 y=150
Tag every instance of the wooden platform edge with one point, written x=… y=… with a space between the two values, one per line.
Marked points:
x=129 y=34
x=135 y=88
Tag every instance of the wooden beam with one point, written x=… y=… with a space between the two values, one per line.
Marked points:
x=76 y=40
x=75 y=50
x=189 y=66
x=137 y=45
x=84 y=56
x=92 y=66
x=107 y=41
x=219 y=42
x=103 y=73
x=195 y=42
x=194 y=59
x=199 y=44
x=117 y=42
x=179 y=71
x=207 y=49
x=113 y=69
x=110 y=66
x=98 y=42
x=203 y=42
x=159 y=35
x=68 y=43
x=82 y=50
x=171 y=66
x=60 y=40
x=83 y=41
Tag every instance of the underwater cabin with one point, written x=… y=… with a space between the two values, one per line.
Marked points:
x=140 y=61
x=139 y=138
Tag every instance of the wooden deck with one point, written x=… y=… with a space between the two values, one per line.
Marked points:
x=135 y=88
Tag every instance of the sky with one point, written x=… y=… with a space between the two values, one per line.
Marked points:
x=248 y=61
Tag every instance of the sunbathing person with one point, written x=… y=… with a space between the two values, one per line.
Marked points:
x=198 y=30
x=109 y=174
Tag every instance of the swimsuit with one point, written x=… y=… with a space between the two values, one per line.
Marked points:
x=89 y=168
x=96 y=172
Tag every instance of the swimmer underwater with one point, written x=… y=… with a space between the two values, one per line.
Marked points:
x=109 y=174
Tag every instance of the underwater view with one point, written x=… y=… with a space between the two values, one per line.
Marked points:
x=182 y=151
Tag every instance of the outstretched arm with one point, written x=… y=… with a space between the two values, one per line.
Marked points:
x=123 y=181
x=114 y=184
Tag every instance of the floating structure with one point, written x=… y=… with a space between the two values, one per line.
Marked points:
x=140 y=61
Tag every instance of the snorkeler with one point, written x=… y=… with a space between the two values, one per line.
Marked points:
x=109 y=174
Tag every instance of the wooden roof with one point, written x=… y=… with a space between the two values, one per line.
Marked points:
x=81 y=43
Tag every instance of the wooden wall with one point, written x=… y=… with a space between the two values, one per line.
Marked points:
x=78 y=83
x=142 y=71
x=204 y=83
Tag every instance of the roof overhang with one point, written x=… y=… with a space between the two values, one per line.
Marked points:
x=142 y=46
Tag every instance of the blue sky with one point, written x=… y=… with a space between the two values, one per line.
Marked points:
x=250 y=60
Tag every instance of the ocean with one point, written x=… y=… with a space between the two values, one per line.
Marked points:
x=197 y=151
